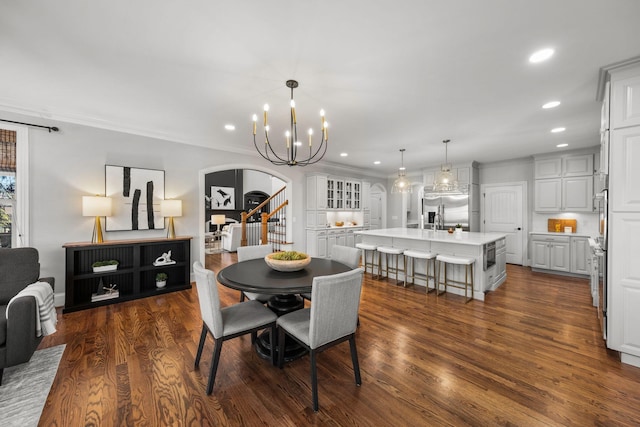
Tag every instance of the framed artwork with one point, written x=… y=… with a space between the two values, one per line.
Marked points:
x=136 y=194
x=222 y=197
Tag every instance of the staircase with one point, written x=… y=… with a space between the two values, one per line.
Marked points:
x=273 y=222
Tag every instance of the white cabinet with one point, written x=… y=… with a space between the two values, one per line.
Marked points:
x=316 y=192
x=352 y=195
x=335 y=193
x=317 y=243
x=625 y=102
x=564 y=184
x=551 y=252
x=366 y=195
x=548 y=195
x=548 y=168
x=580 y=255
x=623 y=269
x=577 y=194
x=624 y=178
x=577 y=165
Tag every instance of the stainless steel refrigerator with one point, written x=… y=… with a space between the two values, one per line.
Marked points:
x=446 y=210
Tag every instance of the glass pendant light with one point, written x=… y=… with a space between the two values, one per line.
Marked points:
x=401 y=184
x=444 y=181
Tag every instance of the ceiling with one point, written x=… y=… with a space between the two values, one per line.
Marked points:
x=390 y=74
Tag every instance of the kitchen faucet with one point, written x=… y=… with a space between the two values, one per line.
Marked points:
x=437 y=219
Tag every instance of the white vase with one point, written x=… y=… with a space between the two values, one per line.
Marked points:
x=458 y=230
x=161 y=284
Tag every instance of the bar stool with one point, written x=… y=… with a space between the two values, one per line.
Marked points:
x=372 y=248
x=468 y=274
x=430 y=258
x=395 y=253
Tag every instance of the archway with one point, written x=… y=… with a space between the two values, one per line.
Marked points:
x=202 y=191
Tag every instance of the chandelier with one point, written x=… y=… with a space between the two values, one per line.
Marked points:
x=401 y=184
x=292 y=143
x=444 y=181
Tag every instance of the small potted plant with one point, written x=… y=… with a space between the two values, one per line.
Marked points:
x=161 y=280
x=458 y=228
x=101 y=266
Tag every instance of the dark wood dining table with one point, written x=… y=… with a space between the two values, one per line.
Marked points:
x=256 y=276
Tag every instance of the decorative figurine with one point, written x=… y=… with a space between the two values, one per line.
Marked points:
x=165 y=259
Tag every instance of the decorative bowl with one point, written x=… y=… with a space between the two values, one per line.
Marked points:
x=286 y=265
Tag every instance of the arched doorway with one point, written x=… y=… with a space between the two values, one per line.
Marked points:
x=251 y=167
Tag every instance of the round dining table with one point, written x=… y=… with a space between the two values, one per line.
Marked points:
x=256 y=276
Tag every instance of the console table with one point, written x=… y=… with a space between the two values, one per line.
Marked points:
x=135 y=274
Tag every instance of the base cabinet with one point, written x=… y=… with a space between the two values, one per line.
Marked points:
x=551 y=252
x=135 y=276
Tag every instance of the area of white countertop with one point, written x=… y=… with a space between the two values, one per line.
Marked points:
x=464 y=238
x=551 y=233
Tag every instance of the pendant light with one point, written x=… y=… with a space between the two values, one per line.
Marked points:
x=444 y=180
x=401 y=184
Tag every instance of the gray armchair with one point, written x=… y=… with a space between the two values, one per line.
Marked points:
x=19 y=267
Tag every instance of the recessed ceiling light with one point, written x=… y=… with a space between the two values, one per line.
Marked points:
x=551 y=104
x=377 y=162
x=229 y=127
x=562 y=145
x=558 y=130
x=344 y=154
x=541 y=55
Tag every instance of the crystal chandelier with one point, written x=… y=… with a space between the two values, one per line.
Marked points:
x=401 y=184
x=292 y=142
x=444 y=181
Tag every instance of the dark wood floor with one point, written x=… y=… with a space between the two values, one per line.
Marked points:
x=530 y=355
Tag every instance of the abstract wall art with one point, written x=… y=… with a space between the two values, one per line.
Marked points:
x=223 y=198
x=136 y=195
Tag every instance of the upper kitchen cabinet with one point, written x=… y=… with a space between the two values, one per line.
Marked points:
x=564 y=183
x=548 y=168
x=316 y=192
x=352 y=195
x=625 y=101
x=335 y=193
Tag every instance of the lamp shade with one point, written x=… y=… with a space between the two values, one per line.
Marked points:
x=218 y=219
x=171 y=207
x=96 y=206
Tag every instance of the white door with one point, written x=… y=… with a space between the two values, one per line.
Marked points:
x=503 y=213
x=376 y=210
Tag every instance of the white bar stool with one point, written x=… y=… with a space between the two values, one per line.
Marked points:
x=468 y=274
x=394 y=253
x=371 y=248
x=413 y=255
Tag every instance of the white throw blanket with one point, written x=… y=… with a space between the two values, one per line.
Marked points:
x=46 y=317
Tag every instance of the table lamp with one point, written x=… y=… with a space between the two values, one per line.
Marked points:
x=218 y=220
x=96 y=206
x=171 y=208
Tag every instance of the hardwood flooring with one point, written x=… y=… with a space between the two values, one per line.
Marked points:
x=530 y=355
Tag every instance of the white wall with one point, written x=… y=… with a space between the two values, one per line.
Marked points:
x=66 y=165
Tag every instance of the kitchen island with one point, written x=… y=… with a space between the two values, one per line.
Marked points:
x=465 y=244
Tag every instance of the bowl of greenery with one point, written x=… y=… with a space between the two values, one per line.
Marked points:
x=102 y=266
x=287 y=261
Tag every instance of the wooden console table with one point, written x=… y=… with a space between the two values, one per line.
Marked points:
x=135 y=275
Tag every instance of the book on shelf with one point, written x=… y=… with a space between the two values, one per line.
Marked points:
x=105 y=296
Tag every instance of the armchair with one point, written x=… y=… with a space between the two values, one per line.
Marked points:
x=19 y=267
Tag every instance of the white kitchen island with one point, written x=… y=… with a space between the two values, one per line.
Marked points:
x=466 y=244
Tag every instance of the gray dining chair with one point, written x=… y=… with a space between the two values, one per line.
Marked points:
x=344 y=254
x=226 y=323
x=331 y=320
x=246 y=253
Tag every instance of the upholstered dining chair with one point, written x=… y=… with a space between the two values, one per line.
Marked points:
x=331 y=320
x=344 y=254
x=246 y=253
x=226 y=323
